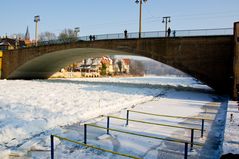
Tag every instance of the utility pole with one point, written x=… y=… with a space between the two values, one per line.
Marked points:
x=36 y=19
x=140 y=15
x=166 y=20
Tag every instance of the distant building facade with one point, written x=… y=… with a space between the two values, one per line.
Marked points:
x=7 y=43
x=121 y=66
x=102 y=66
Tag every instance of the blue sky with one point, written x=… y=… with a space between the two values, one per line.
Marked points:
x=114 y=16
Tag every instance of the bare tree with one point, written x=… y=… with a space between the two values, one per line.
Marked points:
x=137 y=68
x=68 y=35
x=47 y=36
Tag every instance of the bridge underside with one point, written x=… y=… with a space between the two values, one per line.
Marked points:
x=44 y=66
x=207 y=58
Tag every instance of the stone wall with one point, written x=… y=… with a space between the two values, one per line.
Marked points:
x=236 y=61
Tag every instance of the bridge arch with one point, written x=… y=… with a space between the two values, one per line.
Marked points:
x=42 y=67
x=207 y=58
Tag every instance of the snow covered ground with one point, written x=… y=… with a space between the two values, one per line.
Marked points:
x=231 y=137
x=32 y=110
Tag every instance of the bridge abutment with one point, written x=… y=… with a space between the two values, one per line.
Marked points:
x=236 y=61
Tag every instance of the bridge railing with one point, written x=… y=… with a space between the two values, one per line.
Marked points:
x=152 y=34
x=134 y=35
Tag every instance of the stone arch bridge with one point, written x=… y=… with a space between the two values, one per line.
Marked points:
x=211 y=59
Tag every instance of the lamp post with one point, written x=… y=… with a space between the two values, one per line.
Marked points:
x=77 y=30
x=140 y=14
x=36 y=19
x=166 y=20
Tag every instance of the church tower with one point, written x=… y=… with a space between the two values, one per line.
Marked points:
x=27 y=35
x=27 y=40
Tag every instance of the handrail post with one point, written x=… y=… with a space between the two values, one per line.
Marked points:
x=186 y=150
x=108 y=124
x=52 y=147
x=192 y=136
x=127 y=118
x=85 y=133
x=202 y=128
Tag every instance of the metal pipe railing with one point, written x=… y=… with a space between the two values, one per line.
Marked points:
x=85 y=145
x=170 y=116
x=152 y=137
x=134 y=35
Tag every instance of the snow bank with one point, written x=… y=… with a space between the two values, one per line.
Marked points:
x=231 y=137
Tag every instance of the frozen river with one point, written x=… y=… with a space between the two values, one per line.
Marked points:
x=32 y=110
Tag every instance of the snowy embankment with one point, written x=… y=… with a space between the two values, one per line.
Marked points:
x=231 y=137
x=30 y=108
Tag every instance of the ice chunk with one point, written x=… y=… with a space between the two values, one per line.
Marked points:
x=28 y=145
x=4 y=153
x=104 y=137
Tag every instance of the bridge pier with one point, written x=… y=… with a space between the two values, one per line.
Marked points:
x=236 y=62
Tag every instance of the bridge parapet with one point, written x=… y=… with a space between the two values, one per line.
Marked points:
x=236 y=61
x=161 y=34
x=152 y=34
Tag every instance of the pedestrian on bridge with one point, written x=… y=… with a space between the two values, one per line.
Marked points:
x=169 y=31
x=125 y=34
x=90 y=37
x=174 y=33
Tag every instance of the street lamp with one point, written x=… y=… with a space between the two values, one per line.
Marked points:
x=77 y=30
x=166 y=20
x=140 y=14
x=36 y=19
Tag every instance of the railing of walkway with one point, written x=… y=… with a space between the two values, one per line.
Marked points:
x=85 y=145
x=152 y=34
x=141 y=135
x=134 y=35
x=158 y=124
x=169 y=116
x=155 y=34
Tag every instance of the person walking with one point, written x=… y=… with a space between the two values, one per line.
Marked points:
x=174 y=33
x=125 y=34
x=169 y=31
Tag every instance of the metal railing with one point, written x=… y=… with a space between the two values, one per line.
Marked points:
x=85 y=145
x=156 y=34
x=135 y=35
x=170 y=116
x=158 y=124
x=152 y=34
x=141 y=135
